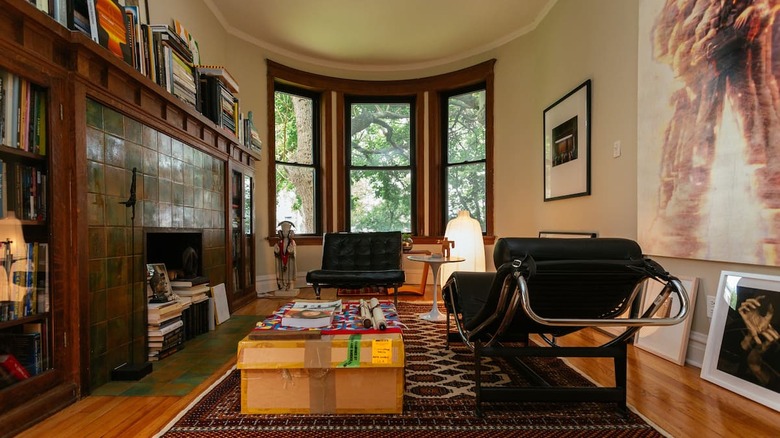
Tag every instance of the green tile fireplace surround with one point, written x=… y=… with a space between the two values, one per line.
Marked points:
x=178 y=188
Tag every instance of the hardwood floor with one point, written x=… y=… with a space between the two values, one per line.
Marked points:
x=672 y=397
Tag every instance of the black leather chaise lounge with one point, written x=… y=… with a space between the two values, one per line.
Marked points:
x=357 y=260
x=551 y=288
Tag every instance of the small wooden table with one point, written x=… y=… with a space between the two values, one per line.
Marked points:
x=435 y=263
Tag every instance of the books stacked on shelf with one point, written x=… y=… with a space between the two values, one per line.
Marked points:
x=251 y=137
x=30 y=284
x=172 y=60
x=218 y=93
x=22 y=114
x=27 y=195
x=194 y=293
x=27 y=348
x=165 y=329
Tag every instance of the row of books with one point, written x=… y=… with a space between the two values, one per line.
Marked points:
x=23 y=190
x=21 y=355
x=165 y=329
x=193 y=293
x=27 y=292
x=22 y=114
x=168 y=55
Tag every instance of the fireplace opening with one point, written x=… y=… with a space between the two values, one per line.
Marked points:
x=168 y=246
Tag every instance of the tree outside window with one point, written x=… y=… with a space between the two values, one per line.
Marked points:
x=381 y=168
x=465 y=154
x=296 y=120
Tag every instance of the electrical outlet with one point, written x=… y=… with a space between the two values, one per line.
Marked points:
x=710 y=305
x=616 y=149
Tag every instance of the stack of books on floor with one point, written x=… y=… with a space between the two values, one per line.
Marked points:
x=193 y=293
x=165 y=330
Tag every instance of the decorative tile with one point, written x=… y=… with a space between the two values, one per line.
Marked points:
x=95 y=177
x=150 y=215
x=149 y=139
x=177 y=194
x=96 y=140
x=164 y=165
x=116 y=277
x=95 y=209
x=113 y=122
x=116 y=213
x=134 y=156
x=97 y=308
x=151 y=162
x=177 y=170
x=120 y=246
x=133 y=130
x=115 y=151
x=164 y=144
x=94 y=114
x=164 y=191
x=97 y=243
x=115 y=181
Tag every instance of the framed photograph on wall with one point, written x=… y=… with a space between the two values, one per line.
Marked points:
x=743 y=347
x=567 y=145
x=668 y=342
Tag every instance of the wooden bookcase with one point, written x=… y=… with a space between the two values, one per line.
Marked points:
x=73 y=70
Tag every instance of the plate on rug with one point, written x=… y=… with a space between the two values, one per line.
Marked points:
x=438 y=398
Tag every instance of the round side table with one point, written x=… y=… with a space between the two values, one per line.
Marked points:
x=435 y=263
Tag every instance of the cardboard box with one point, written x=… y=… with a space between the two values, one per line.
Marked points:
x=334 y=374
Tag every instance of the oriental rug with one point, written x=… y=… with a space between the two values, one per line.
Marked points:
x=438 y=400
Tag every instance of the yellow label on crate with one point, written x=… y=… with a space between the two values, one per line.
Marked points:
x=382 y=351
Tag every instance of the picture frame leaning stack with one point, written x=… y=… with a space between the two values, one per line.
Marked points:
x=743 y=346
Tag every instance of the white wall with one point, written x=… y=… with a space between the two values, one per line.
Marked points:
x=578 y=40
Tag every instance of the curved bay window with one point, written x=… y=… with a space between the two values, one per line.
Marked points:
x=360 y=155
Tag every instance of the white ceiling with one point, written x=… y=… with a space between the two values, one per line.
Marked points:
x=379 y=34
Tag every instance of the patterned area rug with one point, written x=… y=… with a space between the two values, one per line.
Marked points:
x=438 y=400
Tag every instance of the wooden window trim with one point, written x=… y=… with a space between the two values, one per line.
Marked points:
x=332 y=183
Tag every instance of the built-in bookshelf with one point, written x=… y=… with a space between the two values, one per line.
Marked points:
x=24 y=249
x=72 y=76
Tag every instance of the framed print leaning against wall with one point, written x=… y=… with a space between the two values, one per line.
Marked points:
x=743 y=346
x=567 y=145
x=669 y=342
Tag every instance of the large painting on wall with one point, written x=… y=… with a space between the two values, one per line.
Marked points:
x=709 y=130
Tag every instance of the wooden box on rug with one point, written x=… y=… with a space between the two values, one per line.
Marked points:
x=332 y=374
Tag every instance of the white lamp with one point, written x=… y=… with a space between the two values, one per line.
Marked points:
x=11 y=237
x=466 y=232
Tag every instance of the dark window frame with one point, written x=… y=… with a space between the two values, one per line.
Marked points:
x=411 y=100
x=429 y=220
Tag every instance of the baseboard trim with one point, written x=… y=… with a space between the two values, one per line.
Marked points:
x=697 y=343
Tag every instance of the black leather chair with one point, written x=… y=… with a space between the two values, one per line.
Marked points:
x=357 y=260
x=551 y=288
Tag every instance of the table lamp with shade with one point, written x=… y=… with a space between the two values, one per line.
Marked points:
x=12 y=239
x=466 y=232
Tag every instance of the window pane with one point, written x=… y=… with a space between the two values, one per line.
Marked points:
x=295 y=201
x=380 y=134
x=381 y=200
x=466 y=127
x=466 y=191
x=294 y=130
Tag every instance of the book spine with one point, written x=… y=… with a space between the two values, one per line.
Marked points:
x=14 y=367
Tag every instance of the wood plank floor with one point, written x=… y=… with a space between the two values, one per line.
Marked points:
x=672 y=397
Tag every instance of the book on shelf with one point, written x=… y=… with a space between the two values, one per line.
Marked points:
x=220 y=72
x=307 y=318
x=158 y=313
x=26 y=348
x=181 y=282
x=13 y=367
x=198 y=289
x=111 y=28
x=164 y=329
x=22 y=114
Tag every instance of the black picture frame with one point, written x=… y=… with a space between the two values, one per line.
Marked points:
x=566 y=125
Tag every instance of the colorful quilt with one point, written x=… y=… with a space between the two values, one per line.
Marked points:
x=345 y=322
